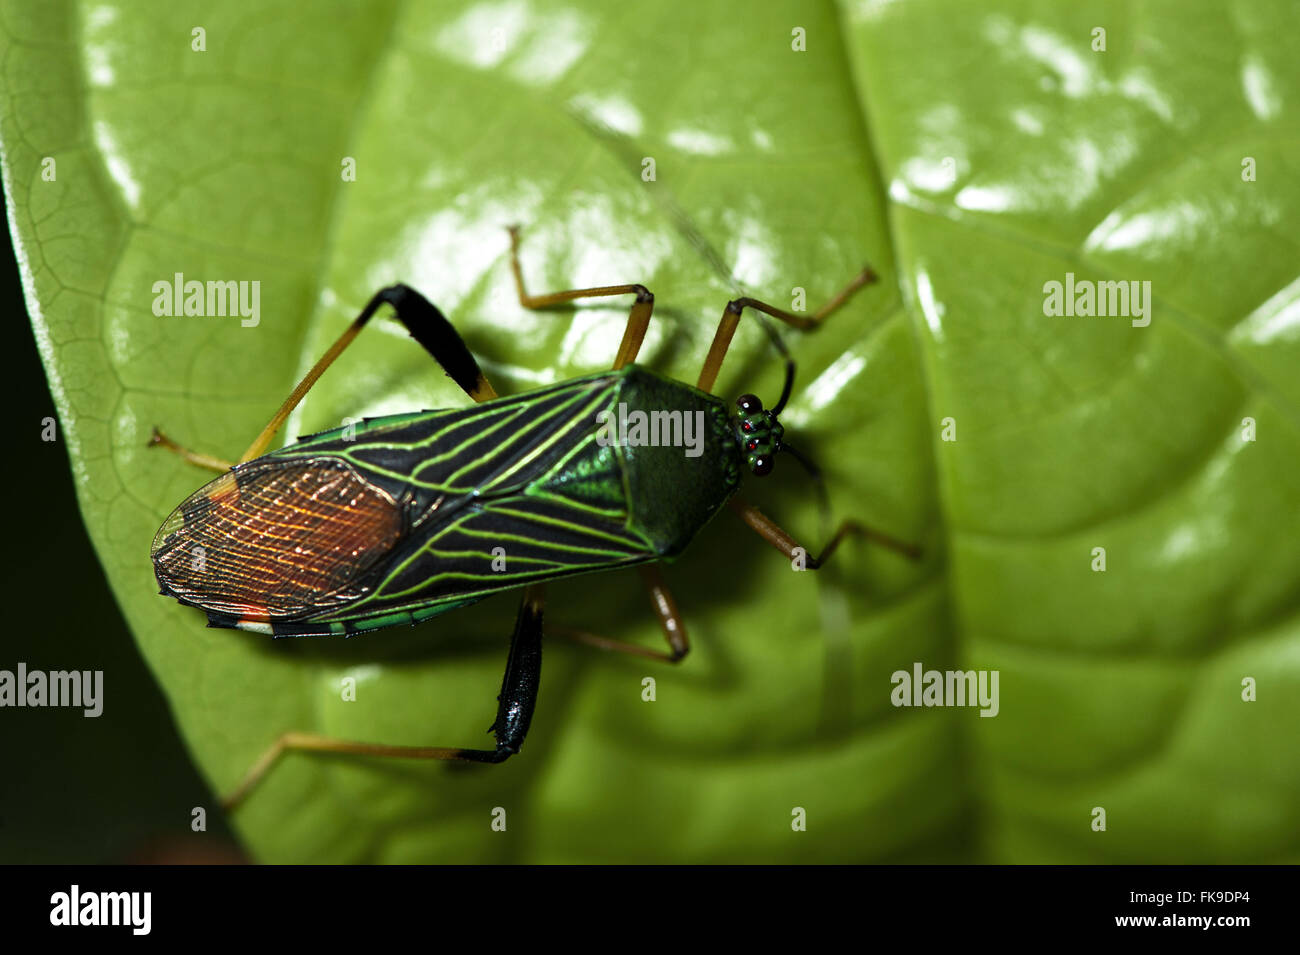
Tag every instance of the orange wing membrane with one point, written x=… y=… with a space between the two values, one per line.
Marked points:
x=276 y=541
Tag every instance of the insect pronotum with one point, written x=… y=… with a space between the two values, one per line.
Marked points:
x=394 y=522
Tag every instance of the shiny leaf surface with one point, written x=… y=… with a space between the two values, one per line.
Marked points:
x=971 y=154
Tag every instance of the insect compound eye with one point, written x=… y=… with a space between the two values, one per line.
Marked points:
x=762 y=465
x=749 y=404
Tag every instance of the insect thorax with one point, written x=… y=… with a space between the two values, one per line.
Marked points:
x=674 y=486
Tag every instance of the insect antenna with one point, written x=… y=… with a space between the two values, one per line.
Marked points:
x=814 y=472
x=789 y=365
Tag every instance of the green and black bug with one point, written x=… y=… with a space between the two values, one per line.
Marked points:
x=398 y=519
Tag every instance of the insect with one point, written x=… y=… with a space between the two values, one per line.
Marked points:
x=404 y=517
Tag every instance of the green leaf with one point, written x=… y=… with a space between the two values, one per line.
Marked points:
x=971 y=157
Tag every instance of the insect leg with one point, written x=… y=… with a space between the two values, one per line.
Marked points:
x=638 y=319
x=160 y=440
x=731 y=319
x=514 y=712
x=761 y=524
x=669 y=618
x=427 y=325
x=422 y=319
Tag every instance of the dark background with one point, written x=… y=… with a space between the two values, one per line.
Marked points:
x=70 y=786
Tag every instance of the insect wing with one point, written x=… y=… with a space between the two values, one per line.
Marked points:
x=276 y=539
